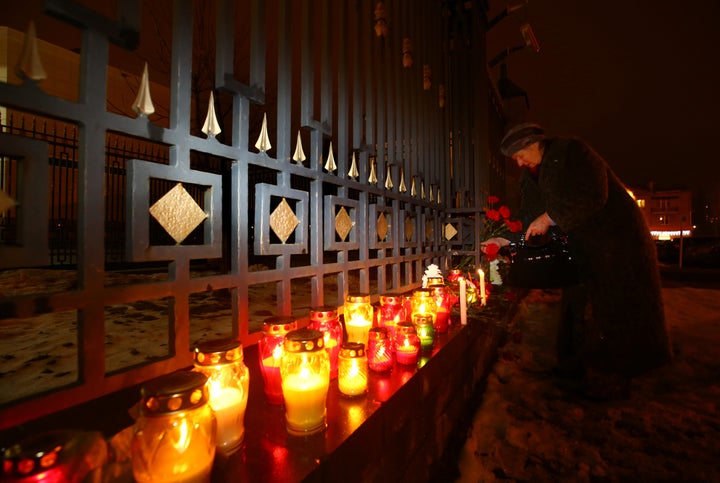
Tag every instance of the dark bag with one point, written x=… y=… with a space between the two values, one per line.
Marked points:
x=544 y=262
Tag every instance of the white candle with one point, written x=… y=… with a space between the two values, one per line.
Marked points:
x=483 y=297
x=229 y=410
x=463 y=301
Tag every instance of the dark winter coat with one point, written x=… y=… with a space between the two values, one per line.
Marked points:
x=625 y=328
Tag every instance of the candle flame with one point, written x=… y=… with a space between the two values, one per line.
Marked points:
x=277 y=352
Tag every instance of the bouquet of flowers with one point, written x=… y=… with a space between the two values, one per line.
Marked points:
x=497 y=223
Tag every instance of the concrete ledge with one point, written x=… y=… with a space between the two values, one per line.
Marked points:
x=403 y=429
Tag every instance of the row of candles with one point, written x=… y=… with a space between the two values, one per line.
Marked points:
x=186 y=416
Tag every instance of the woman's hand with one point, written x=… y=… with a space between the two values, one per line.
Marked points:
x=539 y=226
x=499 y=241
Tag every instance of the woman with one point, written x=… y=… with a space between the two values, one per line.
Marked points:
x=565 y=183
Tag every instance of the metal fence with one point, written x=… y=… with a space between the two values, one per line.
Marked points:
x=334 y=77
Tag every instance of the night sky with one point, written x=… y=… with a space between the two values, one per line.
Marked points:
x=638 y=79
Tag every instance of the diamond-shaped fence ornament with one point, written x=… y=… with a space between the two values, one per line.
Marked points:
x=283 y=221
x=6 y=202
x=409 y=228
x=178 y=213
x=343 y=223
x=450 y=231
x=429 y=230
x=382 y=227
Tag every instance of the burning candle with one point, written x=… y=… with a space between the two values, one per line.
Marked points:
x=463 y=300
x=325 y=319
x=392 y=311
x=174 y=437
x=270 y=351
x=483 y=296
x=423 y=303
x=305 y=373
x=425 y=330
x=380 y=352
x=54 y=456
x=352 y=369
x=407 y=344
x=358 y=315
x=442 y=296
x=228 y=382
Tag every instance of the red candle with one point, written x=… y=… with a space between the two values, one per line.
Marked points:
x=270 y=351
x=407 y=343
x=379 y=353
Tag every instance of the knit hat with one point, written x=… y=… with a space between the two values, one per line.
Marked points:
x=521 y=136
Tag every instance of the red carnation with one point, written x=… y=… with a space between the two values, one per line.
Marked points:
x=504 y=212
x=493 y=199
x=514 y=226
x=493 y=215
x=491 y=250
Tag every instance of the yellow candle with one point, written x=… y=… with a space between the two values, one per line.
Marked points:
x=185 y=457
x=305 y=395
x=230 y=414
x=358 y=328
x=352 y=379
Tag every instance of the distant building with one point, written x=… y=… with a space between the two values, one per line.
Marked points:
x=667 y=212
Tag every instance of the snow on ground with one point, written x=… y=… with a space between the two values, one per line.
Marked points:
x=532 y=425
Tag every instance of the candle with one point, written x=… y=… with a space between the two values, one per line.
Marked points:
x=358 y=328
x=325 y=319
x=305 y=395
x=174 y=436
x=305 y=372
x=406 y=354
x=270 y=351
x=271 y=376
x=227 y=403
x=425 y=330
x=379 y=353
x=228 y=383
x=463 y=300
x=352 y=369
x=483 y=297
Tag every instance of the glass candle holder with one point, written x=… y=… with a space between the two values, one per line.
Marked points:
x=435 y=280
x=174 y=438
x=228 y=383
x=325 y=319
x=352 y=369
x=270 y=351
x=392 y=311
x=380 y=350
x=407 y=344
x=423 y=303
x=358 y=315
x=54 y=456
x=305 y=371
x=407 y=304
x=442 y=297
x=425 y=330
